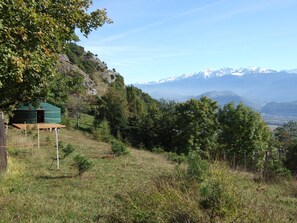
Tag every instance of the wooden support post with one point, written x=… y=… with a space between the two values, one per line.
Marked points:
x=26 y=135
x=38 y=137
x=3 y=153
x=245 y=161
x=234 y=162
x=57 y=149
x=265 y=165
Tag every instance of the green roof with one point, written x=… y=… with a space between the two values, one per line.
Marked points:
x=39 y=106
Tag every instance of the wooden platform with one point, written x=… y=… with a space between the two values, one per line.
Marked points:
x=49 y=126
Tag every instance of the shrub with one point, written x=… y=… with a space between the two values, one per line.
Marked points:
x=82 y=164
x=67 y=150
x=72 y=57
x=48 y=140
x=102 y=133
x=118 y=148
x=274 y=169
x=157 y=150
x=35 y=136
x=212 y=193
x=87 y=66
x=291 y=158
x=178 y=158
x=20 y=153
x=197 y=168
x=66 y=121
x=219 y=196
x=276 y=172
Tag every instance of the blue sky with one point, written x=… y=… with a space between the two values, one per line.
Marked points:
x=154 y=39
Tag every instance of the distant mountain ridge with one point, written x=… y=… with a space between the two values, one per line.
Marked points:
x=226 y=97
x=209 y=73
x=274 y=93
x=282 y=109
x=257 y=84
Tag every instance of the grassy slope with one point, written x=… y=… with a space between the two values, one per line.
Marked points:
x=34 y=191
x=234 y=197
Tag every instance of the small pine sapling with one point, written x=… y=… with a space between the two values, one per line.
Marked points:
x=118 y=148
x=82 y=164
x=67 y=150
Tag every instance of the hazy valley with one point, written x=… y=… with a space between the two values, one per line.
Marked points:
x=271 y=92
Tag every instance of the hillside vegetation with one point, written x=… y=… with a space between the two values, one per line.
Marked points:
x=131 y=116
x=33 y=190
x=81 y=78
x=138 y=187
x=194 y=161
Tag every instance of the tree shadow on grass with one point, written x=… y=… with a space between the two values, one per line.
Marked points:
x=55 y=177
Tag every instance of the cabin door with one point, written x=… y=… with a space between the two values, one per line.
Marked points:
x=40 y=116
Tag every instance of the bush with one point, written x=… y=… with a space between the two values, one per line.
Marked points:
x=176 y=157
x=219 y=196
x=197 y=168
x=67 y=150
x=88 y=66
x=274 y=169
x=48 y=140
x=291 y=158
x=82 y=164
x=157 y=150
x=276 y=172
x=72 y=57
x=66 y=121
x=215 y=199
x=118 y=148
x=102 y=133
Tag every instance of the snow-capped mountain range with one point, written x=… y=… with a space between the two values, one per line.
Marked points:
x=210 y=73
x=257 y=84
x=256 y=87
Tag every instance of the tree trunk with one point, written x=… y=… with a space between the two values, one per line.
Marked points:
x=3 y=154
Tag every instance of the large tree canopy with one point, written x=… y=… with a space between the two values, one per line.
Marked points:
x=243 y=132
x=197 y=125
x=32 y=34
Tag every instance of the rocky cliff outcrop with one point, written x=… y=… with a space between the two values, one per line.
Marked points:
x=95 y=83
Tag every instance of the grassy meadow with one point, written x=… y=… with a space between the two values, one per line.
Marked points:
x=33 y=190
x=138 y=187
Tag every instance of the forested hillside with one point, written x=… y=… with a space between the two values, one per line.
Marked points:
x=85 y=85
x=81 y=78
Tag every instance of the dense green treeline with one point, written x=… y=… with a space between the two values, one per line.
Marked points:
x=200 y=125
x=286 y=140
